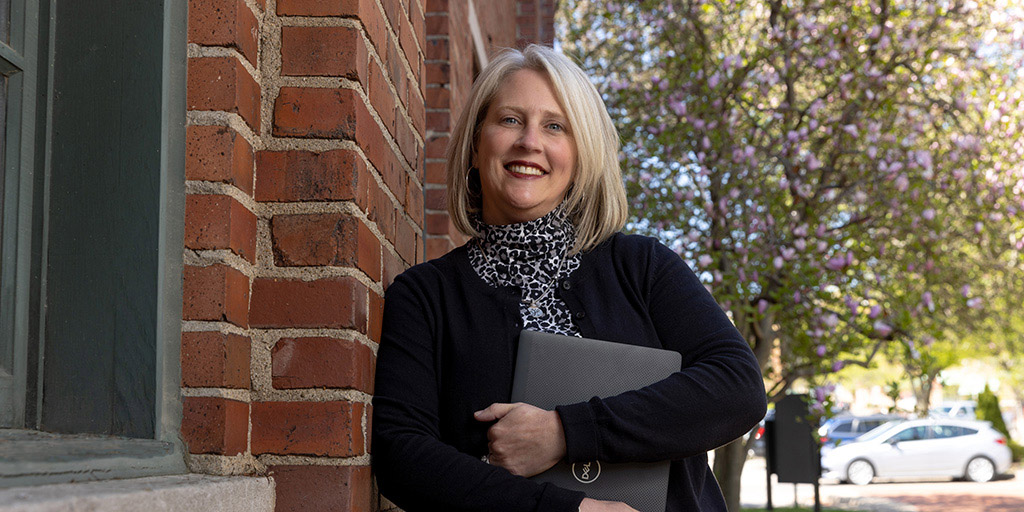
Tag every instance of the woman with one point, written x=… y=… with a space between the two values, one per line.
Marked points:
x=533 y=178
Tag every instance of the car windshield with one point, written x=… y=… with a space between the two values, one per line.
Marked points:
x=880 y=431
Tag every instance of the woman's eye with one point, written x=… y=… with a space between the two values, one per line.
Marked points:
x=509 y=120
x=556 y=127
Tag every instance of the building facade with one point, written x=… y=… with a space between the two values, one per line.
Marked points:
x=296 y=147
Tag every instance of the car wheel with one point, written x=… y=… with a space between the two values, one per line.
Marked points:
x=860 y=472
x=980 y=469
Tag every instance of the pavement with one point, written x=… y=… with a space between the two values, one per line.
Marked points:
x=1004 y=494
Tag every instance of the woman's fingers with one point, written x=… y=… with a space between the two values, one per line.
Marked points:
x=495 y=411
x=590 y=505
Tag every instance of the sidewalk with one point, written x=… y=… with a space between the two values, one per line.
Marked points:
x=753 y=493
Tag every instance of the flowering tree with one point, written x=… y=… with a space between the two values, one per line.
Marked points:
x=836 y=171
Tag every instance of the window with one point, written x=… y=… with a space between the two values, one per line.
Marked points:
x=843 y=428
x=910 y=434
x=92 y=207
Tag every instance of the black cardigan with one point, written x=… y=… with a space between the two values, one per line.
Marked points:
x=448 y=349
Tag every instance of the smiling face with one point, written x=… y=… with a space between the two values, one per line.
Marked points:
x=525 y=151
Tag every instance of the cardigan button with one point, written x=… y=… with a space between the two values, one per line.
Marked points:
x=580 y=315
x=566 y=285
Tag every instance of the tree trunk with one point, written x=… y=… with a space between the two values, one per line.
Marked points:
x=729 y=460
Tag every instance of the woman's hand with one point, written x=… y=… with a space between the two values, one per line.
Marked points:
x=590 y=505
x=526 y=440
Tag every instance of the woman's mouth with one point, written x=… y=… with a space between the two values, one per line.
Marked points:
x=527 y=170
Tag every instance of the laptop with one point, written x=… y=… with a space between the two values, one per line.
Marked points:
x=552 y=370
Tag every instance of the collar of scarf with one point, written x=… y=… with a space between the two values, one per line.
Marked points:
x=511 y=250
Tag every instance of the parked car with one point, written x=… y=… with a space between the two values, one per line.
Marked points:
x=930 y=447
x=758 y=448
x=964 y=409
x=842 y=429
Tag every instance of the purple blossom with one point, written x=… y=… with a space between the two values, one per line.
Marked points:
x=762 y=306
x=821 y=351
x=705 y=260
x=836 y=263
x=838 y=365
x=882 y=329
x=875 y=311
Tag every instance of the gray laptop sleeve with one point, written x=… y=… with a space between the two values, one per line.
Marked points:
x=554 y=370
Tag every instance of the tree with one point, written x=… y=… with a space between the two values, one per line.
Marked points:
x=827 y=167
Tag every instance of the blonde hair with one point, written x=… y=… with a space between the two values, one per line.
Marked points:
x=596 y=200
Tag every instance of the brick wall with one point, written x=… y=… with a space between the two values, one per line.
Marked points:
x=316 y=131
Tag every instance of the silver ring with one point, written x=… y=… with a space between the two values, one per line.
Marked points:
x=486 y=458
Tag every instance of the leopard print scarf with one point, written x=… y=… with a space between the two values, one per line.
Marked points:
x=527 y=256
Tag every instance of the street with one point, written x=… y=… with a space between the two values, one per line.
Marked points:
x=1005 y=494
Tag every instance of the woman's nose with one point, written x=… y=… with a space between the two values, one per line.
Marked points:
x=529 y=138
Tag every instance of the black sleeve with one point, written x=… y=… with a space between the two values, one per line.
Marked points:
x=414 y=468
x=716 y=397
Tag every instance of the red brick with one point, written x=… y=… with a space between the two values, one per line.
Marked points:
x=299 y=363
x=393 y=11
x=215 y=293
x=396 y=69
x=317 y=113
x=407 y=40
x=332 y=429
x=437 y=5
x=393 y=265
x=436 y=146
x=337 y=302
x=439 y=121
x=437 y=224
x=215 y=360
x=322 y=488
x=414 y=203
x=368 y=258
x=218 y=153
x=381 y=210
x=381 y=97
x=306 y=176
x=418 y=22
x=437 y=25
x=438 y=246
x=220 y=222
x=405 y=240
x=322 y=239
x=438 y=73
x=214 y=425
x=438 y=97
x=373 y=22
x=437 y=172
x=407 y=142
x=437 y=49
x=376 y=317
x=417 y=112
x=435 y=198
x=323 y=51
x=379 y=152
x=223 y=23
x=318 y=7
x=222 y=83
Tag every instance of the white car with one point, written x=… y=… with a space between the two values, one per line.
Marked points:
x=920 y=448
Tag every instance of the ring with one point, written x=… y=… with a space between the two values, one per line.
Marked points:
x=486 y=458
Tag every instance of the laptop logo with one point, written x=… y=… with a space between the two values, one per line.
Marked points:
x=586 y=472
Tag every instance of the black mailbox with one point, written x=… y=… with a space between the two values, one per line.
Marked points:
x=792 y=451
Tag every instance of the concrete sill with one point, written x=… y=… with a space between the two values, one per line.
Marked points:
x=185 y=493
